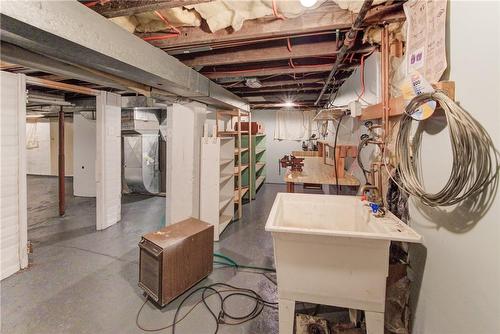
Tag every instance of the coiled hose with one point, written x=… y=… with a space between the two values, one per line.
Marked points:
x=475 y=160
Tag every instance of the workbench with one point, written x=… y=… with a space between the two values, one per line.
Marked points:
x=316 y=172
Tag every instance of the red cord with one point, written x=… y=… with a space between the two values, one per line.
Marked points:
x=350 y=59
x=167 y=23
x=288 y=45
x=93 y=3
x=275 y=11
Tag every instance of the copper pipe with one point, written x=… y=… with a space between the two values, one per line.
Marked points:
x=385 y=82
x=61 y=163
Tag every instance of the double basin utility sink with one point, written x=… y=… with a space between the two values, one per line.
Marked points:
x=331 y=250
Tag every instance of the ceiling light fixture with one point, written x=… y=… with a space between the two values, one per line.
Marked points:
x=308 y=3
x=287 y=104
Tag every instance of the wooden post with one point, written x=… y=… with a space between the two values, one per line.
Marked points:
x=61 y=173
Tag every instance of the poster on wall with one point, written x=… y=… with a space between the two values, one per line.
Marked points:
x=425 y=45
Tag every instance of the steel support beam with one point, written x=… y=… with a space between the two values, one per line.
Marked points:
x=73 y=33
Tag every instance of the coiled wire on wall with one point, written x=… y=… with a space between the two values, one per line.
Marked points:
x=475 y=160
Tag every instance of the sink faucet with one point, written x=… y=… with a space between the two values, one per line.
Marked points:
x=375 y=198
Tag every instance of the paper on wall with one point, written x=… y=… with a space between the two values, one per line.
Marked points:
x=425 y=46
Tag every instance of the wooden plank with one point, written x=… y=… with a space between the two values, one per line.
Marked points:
x=396 y=105
x=327 y=18
x=231 y=56
x=315 y=171
x=117 y=8
x=61 y=86
x=448 y=87
x=275 y=71
x=257 y=92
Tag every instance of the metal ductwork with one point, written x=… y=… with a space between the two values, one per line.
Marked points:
x=141 y=149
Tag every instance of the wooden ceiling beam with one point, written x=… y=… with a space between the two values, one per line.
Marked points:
x=281 y=83
x=275 y=71
x=327 y=18
x=231 y=56
x=117 y=8
x=257 y=92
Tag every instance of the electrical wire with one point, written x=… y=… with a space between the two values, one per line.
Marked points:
x=223 y=316
x=475 y=160
x=362 y=144
x=335 y=153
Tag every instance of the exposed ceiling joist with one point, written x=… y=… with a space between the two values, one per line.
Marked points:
x=117 y=8
x=275 y=71
x=44 y=28
x=258 y=92
x=279 y=83
x=231 y=56
x=328 y=17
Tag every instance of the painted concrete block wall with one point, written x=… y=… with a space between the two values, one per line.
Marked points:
x=43 y=159
x=349 y=131
x=459 y=292
x=13 y=207
x=84 y=156
x=38 y=158
x=108 y=160
x=184 y=131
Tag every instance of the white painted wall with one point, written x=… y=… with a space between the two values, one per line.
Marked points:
x=84 y=156
x=460 y=288
x=184 y=131
x=275 y=149
x=13 y=207
x=38 y=158
x=43 y=159
x=108 y=160
x=349 y=131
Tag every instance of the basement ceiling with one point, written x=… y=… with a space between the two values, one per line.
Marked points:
x=267 y=52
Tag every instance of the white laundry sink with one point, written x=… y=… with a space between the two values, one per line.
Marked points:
x=331 y=250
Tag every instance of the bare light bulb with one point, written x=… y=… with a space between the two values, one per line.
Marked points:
x=308 y=3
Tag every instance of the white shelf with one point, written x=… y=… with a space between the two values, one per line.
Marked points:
x=225 y=177
x=225 y=161
x=224 y=221
x=217 y=182
x=223 y=203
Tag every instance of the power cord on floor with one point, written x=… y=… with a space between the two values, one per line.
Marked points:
x=220 y=315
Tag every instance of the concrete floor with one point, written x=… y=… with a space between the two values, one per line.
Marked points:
x=83 y=281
